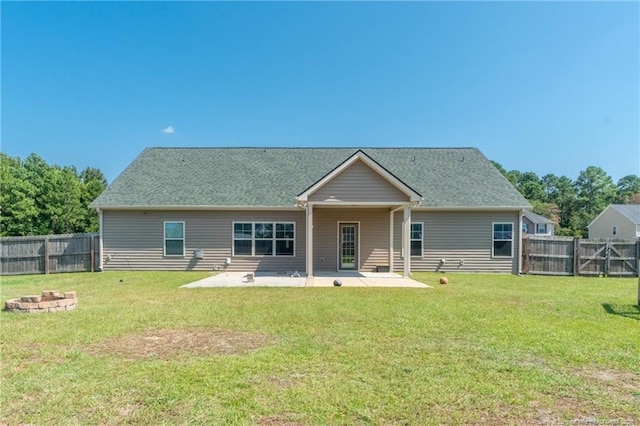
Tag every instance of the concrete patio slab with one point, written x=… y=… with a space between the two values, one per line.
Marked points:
x=321 y=279
x=363 y=279
x=240 y=279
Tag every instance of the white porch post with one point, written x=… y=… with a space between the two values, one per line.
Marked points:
x=406 y=241
x=391 y=241
x=309 y=240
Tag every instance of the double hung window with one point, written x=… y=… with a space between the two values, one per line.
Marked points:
x=416 y=239
x=502 y=240
x=174 y=238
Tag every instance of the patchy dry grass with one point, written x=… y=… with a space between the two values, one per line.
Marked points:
x=172 y=343
x=484 y=349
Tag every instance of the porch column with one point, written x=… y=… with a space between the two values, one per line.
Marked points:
x=391 y=241
x=406 y=241
x=309 y=240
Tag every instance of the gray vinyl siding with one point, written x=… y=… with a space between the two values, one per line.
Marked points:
x=602 y=227
x=373 y=236
x=359 y=183
x=456 y=236
x=134 y=240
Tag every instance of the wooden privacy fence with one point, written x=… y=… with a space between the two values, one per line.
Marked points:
x=49 y=254
x=575 y=256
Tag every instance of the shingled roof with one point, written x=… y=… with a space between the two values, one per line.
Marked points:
x=273 y=177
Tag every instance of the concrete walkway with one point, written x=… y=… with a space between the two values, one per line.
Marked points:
x=321 y=279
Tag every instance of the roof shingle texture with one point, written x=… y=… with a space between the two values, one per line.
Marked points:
x=536 y=218
x=273 y=177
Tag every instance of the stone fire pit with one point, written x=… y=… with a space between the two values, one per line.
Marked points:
x=50 y=301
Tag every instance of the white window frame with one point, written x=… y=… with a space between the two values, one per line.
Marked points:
x=411 y=239
x=494 y=240
x=164 y=241
x=253 y=238
x=544 y=226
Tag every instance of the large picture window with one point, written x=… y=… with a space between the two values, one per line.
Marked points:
x=263 y=238
x=502 y=240
x=416 y=239
x=174 y=238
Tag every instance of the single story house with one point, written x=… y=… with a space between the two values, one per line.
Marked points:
x=311 y=209
x=534 y=224
x=616 y=221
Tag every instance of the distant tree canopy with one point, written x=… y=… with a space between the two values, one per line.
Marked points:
x=39 y=199
x=572 y=205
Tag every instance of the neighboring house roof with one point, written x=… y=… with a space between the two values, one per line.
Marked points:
x=273 y=177
x=536 y=218
x=630 y=211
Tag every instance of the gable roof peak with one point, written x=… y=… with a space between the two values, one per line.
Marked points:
x=360 y=155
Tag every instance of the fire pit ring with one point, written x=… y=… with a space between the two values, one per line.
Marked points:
x=50 y=301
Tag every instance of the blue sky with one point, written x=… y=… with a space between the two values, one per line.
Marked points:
x=547 y=87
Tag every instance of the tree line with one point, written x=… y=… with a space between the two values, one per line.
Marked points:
x=39 y=199
x=572 y=205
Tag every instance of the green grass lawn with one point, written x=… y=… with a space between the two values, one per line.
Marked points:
x=484 y=349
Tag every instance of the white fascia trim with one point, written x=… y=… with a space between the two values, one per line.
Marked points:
x=469 y=209
x=148 y=208
x=358 y=204
x=414 y=196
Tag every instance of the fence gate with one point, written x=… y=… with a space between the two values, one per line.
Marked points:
x=573 y=256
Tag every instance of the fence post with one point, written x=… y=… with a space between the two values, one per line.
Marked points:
x=92 y=256
x=607 y=258
x=46 y=255
x=576 y=256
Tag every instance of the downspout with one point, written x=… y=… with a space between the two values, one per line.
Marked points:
x=101 y=235
x=520 y=242
x=406 y=243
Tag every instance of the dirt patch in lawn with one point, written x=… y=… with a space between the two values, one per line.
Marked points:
x=285 y=419
x=169 y=343
x=624 y=383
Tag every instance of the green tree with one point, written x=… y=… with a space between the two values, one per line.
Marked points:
x=628 y=189
x=530 y=187
x=63 y=207
x=18 y=211
x=93 y=183
x=595 y=190
x=36 y=198
x=36 y=173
